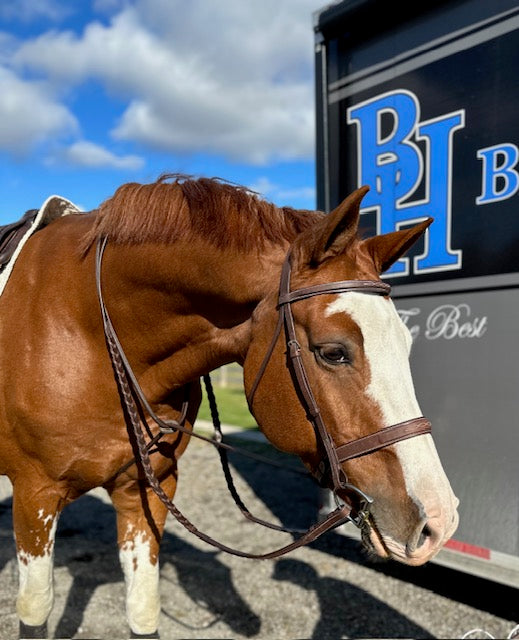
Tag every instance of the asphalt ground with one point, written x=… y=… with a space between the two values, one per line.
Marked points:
x=326 y=591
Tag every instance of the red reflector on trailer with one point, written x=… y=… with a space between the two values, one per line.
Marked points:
x=465 y=547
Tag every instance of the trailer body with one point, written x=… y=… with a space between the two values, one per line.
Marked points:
x=422 y=104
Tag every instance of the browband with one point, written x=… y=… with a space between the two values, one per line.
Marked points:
x=342 y=286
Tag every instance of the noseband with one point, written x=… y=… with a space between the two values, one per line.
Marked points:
x=329 y=472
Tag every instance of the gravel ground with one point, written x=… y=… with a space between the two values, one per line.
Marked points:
x=326 y=591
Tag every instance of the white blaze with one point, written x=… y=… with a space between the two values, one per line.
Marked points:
x=387 y=344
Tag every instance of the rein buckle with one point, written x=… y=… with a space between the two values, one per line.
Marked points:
x=168 y=426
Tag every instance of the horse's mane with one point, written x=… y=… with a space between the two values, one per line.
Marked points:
x=178 y=207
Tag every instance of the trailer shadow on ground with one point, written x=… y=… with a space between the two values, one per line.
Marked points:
x=86 y=546
x=473 y=591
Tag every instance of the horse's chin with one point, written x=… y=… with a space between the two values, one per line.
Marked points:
x=373 y=543
x=384 y=547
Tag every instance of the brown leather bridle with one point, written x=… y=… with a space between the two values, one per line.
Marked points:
x=330 y=472
x=136 y=406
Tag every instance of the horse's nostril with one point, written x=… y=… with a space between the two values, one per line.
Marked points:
x=425 y=538
x=424 y=535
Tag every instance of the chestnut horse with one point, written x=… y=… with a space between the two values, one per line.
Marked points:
x=190 y=276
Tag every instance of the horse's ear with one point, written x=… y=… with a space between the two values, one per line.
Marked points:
x=386 y=249
x=337 y=230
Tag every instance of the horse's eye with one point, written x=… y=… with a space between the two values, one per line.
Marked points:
x=334 y=354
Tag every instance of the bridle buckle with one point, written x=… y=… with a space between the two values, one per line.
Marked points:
x=363 y=511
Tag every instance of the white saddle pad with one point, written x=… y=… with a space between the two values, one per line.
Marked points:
x=54 y=207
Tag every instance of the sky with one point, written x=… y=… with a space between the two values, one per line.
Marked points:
x=97 y=93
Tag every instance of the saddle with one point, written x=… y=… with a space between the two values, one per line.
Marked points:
x=11 y=235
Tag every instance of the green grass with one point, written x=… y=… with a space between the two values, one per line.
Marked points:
x=232 y=407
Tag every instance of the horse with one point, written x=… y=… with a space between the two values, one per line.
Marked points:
x=191 y=272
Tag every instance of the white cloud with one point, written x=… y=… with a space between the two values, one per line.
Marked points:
x=233 y=78
x=31 y=10
x=297 y=197
x=29 y=114
x=88 y=154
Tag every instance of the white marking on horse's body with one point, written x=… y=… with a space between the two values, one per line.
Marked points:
x=36 y=589
x=387 y=343
x=142 y=583
x=45 y=518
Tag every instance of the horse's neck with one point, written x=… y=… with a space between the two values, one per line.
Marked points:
x=185 y=310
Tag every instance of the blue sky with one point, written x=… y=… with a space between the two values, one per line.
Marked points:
x=96 y=93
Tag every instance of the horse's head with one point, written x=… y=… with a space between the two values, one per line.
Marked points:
x=354 y=349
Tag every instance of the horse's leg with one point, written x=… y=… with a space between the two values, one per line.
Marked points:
x=36 y=508
x=140 y=524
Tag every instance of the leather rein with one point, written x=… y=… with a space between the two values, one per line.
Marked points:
x=329 y=471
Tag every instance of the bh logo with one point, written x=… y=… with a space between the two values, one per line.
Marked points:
x=394 y=165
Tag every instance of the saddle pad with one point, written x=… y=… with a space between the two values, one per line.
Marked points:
x=53 y=208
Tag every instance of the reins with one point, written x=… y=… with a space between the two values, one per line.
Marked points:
x=131 y=395
x=227 y=470
x=136 y=405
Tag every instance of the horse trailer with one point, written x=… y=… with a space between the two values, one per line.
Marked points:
x=419 y=102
